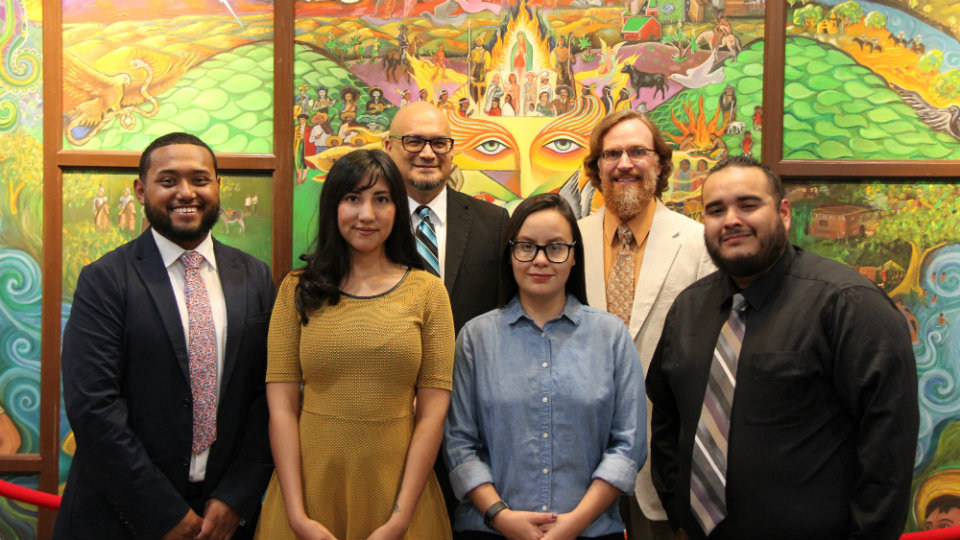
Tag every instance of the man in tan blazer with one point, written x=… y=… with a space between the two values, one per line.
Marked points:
x=638 y=256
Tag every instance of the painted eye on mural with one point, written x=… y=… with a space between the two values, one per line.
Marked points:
x=563 y=146
x=491 y=147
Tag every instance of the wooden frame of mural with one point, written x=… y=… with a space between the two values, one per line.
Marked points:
x=772 y=137
x=56 y=159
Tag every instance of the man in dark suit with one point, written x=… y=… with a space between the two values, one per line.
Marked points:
x=466 y=231
x=163 y=363
x=458 y=236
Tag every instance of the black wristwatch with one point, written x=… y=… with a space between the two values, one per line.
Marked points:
x=492 y=512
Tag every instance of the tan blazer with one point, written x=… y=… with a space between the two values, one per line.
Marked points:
x=675 y=257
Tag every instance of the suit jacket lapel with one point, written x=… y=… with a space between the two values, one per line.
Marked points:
x=591 y=229
x=459 y=220
x=153 y=273
x=231 y=274
x=658 y=257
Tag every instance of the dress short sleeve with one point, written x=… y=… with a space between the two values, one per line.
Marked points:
x=283 y=339
x=437 y=337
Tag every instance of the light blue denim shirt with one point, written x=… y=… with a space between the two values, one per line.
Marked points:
x=540 y=412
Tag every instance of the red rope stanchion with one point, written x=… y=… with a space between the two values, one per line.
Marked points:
x=29 y=496
x=949 y=533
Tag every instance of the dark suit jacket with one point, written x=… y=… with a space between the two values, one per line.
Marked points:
x=474 y=231
x=126 y=386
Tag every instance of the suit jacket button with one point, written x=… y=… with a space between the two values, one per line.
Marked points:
x=186 y=403
x=185 y=463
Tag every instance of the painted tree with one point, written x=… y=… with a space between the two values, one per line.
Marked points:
x=922 y=215
x=848 y=12
x=947 y=85
x=808 y=16
x=875 y=19
x=930 y=61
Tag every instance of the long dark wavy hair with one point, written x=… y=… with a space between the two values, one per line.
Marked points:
x=329 y=262
x=576 y=281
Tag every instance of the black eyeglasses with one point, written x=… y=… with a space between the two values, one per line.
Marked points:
x=415 y=143
x=635 y=153
x=556 y=252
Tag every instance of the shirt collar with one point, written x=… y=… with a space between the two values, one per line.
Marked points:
x=438 y=208
x=639 y=224
x=170 y=252
x=572 y=311
x=758 y=292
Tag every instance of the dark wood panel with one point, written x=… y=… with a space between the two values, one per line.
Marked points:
x=22 y=463
x=283 y=138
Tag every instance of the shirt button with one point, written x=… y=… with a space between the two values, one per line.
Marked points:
x=543 y=334
x=544 y=364
x=544 y=400
x=544 y=508
x=545 y=435
x=545 y=471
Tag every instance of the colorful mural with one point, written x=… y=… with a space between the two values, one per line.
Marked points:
x=868 y=80
x=21 y=143
x=204 y=67
x=523 y=83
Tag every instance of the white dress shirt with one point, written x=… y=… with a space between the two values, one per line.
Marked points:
x=438 y=216
x=170 y=253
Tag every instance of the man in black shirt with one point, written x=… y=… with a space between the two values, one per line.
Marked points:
x=814 y=434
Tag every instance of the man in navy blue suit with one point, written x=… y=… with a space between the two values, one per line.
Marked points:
x=163 y=364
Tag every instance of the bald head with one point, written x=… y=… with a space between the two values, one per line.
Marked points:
x=424 y=172
x=416 y=113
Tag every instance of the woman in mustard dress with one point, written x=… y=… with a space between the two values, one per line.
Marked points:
x=370 y=336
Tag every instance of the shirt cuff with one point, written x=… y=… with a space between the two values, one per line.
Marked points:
x=469 y=475
x=618 y=471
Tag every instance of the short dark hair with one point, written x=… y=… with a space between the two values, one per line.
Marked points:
x=177 y=137
x=576 y=282
x=591 y=163
x=329 y=262
x=745 y=162
x=944 y=503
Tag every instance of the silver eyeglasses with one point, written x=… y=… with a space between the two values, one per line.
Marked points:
x=635 y=153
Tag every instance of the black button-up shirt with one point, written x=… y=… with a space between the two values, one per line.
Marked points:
x=824 y=421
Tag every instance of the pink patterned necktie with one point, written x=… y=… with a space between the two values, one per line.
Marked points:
x=202 y=353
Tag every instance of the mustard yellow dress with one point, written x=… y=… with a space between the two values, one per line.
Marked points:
x=360 y=362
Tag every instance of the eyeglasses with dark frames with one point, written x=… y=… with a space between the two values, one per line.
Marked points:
x=635 y=153
x=415 y=143
x=556 y=252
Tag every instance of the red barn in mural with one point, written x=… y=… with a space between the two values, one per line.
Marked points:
x=642 y=28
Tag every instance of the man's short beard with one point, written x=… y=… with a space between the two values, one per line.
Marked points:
x=423 y=185
x=771 y=249
x=629 y=200
x=162 y=224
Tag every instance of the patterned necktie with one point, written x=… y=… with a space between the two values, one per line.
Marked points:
x=708 y=471
x=621 y=281
x=427 y=241
x=202 y=353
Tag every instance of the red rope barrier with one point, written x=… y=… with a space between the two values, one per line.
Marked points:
x=949 y=533
x=29 y=496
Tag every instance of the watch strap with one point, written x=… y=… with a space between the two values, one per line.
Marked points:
x=492 y=512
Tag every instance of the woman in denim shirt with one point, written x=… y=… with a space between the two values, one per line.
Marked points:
x=547 y=420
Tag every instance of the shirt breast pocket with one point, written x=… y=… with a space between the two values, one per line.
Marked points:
x=775 y=387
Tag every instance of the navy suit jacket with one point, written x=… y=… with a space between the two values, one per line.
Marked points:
x=126 y=386
x=474 y=231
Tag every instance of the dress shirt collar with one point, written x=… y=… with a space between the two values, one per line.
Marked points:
x=639 y=224
x=571 y=311
x=438 y=209
x=171 y=252
x=758 y=292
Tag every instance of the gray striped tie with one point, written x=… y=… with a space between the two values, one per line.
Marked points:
x=708 y=471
